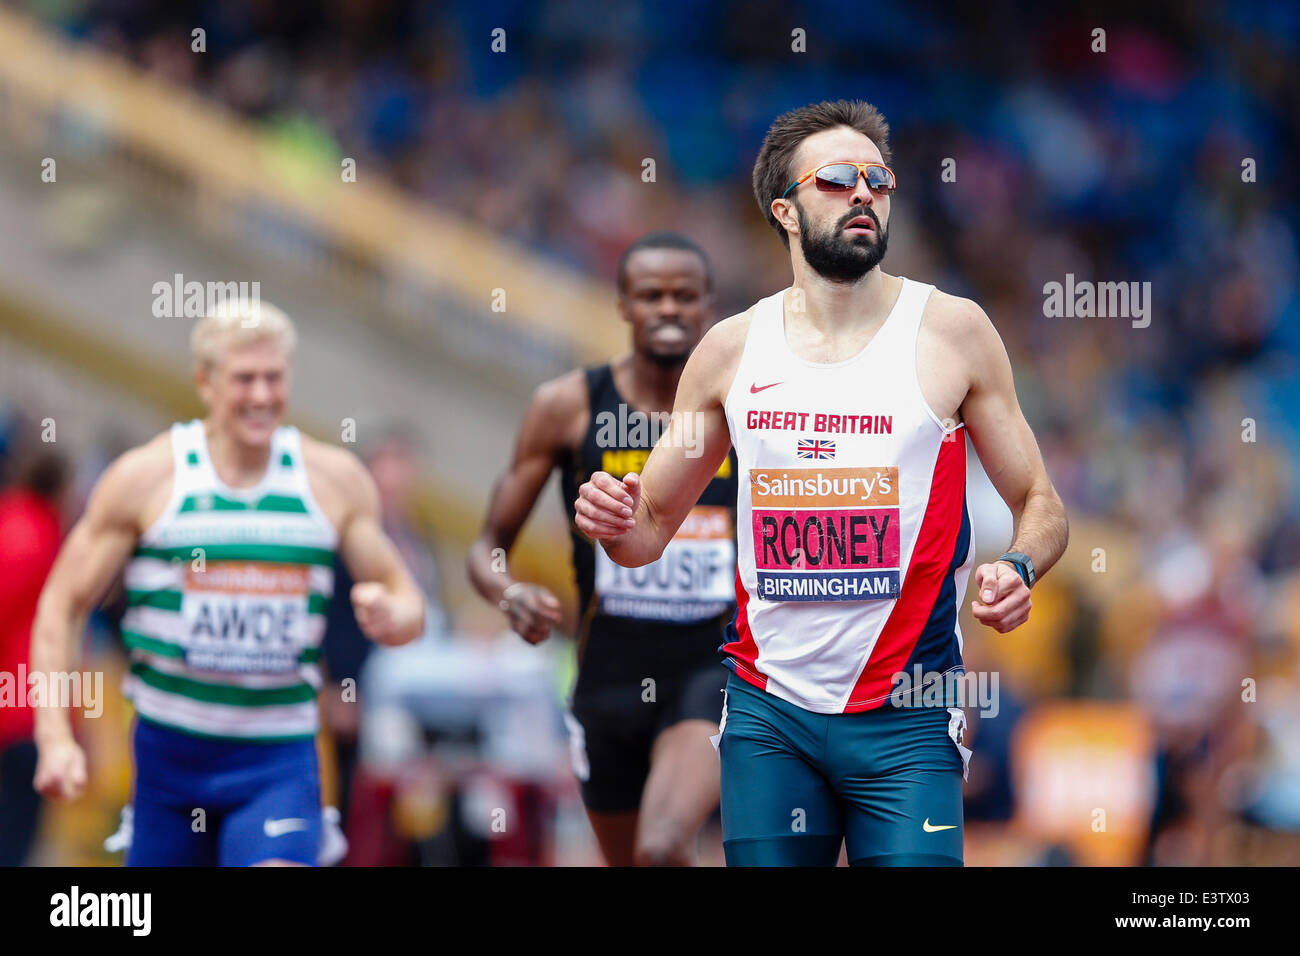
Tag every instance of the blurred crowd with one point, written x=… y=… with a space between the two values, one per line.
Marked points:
x=1162 y=158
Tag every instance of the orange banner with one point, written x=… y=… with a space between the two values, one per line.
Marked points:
x=823 y=487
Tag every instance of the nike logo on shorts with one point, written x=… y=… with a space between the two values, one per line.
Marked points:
x=929 y=828
x=276 y=828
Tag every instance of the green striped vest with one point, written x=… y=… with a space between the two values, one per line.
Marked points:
x=226 y=599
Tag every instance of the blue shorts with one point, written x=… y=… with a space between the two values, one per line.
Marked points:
x=887 y=783
x=259 y=801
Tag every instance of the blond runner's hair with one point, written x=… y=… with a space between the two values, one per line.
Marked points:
x=239 y=322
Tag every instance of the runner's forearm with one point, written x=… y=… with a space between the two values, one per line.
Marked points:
x=54 y=650
x=1042 y=529
x=482 y=563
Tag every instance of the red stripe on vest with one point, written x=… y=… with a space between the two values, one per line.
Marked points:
x=930 y=565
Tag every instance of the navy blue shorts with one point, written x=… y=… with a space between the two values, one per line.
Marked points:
x=203 y=802
x=886 y=783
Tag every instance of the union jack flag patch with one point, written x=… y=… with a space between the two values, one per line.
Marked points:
x=817 y=449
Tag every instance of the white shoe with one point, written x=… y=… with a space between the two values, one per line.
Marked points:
x=333 y=844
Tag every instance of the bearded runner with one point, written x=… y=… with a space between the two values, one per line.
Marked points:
x=846 y=397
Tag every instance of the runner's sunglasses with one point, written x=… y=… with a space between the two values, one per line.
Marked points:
x=841 y=177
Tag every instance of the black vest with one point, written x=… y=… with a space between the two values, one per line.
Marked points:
x=677 y=606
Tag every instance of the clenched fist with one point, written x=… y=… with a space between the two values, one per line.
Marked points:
x=532 y=611
x=375 y=612
x=1002 y=597
x=60 y=770
x=605 y=505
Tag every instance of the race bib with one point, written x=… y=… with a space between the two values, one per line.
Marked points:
x=245 y=617
x=826 y=534
x=693 y=580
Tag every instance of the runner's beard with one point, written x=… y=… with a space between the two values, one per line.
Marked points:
x=837 y=257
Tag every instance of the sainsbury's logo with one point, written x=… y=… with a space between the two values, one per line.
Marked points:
x=823 y=487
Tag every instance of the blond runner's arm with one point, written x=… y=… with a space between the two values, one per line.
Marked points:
x=94 y=554
x=388 y=603
x=634 y=519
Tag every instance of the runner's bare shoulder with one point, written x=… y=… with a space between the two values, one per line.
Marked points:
x=557 y=407
x=729 y=334
x=338 y=480
x=331 y=462
x=563 y=396
x=134 y=489
x=954 y=318
x=718 y=355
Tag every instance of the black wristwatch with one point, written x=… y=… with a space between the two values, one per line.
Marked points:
x=1023 y=564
